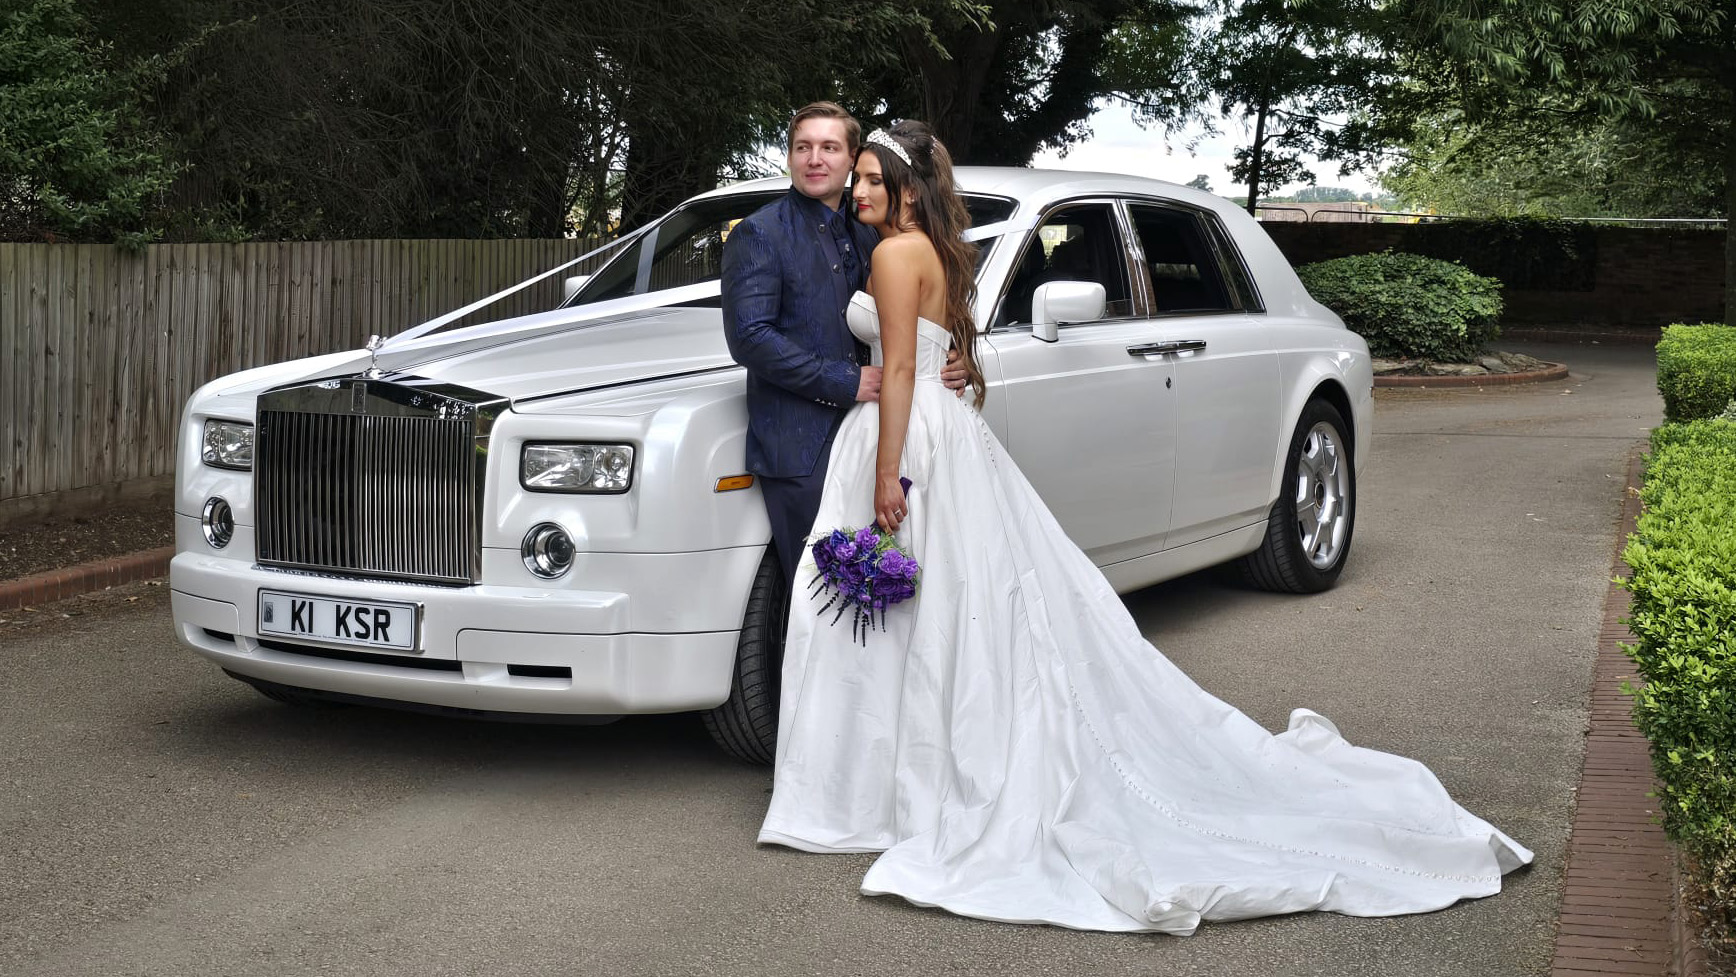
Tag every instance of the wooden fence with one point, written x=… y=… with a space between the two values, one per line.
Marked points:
x=100 y=348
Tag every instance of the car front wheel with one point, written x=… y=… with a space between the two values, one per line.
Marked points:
x=1308 y=533
x=746 y=725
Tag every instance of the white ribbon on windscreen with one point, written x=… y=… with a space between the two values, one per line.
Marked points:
x=998 y=228
x=564 y=318
x=453 y=316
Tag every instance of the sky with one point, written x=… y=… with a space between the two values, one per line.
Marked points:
x=1118 y=145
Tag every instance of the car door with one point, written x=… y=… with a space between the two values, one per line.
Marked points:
x=1086 y=417
x=1228 y=388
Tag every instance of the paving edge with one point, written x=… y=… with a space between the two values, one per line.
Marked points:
x=72 y=581
x=1621 y=903
x=1551 y=371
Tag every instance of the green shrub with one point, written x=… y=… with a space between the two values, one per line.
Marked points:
x=1696 y=370
x=1683 y=557
x=1407 y=305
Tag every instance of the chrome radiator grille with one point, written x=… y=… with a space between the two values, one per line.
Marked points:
x=371 y=478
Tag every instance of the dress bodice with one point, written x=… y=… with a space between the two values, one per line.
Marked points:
x=932 y=339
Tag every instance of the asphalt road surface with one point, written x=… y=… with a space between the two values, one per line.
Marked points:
x=159 y=818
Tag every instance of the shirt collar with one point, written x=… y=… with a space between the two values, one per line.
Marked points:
x=818 y=210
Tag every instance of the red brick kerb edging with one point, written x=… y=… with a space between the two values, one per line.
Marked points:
x=1549 y=371
x=71 y=581
x=1620 y=911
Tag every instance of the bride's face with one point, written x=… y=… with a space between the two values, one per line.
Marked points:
x=869 y=191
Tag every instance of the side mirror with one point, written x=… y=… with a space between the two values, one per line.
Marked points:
x=572 y=286
x=1056 y=302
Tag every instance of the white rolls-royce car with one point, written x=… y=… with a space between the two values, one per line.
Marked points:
x=547 y=517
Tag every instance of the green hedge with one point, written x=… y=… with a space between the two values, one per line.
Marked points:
x=1683 y=556
x=1407 y=305
x=1696 y=370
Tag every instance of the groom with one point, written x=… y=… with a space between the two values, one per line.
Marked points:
x=789 y=270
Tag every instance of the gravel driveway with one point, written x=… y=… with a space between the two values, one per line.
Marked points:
x=161 y=819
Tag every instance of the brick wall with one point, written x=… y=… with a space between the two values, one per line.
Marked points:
x=1638 y=278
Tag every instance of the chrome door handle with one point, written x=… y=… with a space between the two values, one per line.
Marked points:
x=1158 y=349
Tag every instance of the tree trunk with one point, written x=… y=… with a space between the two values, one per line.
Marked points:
x=952 y=86
x=1256 y=158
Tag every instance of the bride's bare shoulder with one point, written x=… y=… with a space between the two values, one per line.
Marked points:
x=905 y=245
x=913 y=252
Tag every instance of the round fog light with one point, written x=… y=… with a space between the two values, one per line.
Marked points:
x=218 y=521
x=547 y=550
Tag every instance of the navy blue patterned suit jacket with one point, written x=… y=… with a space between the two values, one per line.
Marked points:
x=785 y=289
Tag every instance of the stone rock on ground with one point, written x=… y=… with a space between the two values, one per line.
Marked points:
x=1492 y=362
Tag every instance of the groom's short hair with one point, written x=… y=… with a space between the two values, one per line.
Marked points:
x=826 y=110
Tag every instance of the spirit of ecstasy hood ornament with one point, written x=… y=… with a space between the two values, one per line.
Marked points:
x=374 y=344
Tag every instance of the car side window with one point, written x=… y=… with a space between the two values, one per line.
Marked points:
x=1073 y=244
x=1185 y=272
x=693 y=255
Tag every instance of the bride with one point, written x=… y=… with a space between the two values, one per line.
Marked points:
x=1011 y=743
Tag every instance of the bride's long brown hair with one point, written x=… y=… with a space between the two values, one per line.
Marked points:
x=937 y=208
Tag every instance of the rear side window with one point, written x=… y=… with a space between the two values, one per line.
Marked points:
x=1186 y=275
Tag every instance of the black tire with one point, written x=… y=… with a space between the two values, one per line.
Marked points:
x=1284 y=562
x=746 y=725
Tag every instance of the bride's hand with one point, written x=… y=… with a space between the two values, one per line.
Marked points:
x=889 y=503
x=953 y=376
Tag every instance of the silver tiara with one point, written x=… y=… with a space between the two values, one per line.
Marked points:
x=880 y=137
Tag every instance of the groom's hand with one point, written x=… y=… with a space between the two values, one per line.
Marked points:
x=868 y=390
x=953 y=375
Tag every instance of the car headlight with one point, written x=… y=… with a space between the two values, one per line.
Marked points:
x=576 y=467
x=229 y=444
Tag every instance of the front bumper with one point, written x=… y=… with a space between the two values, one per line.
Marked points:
x=515 y=649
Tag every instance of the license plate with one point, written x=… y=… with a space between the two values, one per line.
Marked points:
x=373 y=624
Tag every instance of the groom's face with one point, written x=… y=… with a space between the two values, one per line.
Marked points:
x=820 y=159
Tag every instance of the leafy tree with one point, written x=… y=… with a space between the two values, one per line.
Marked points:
x=362 y=118
x=1666 y=65
x=74 y=159
x=1304 y=75
x=485 y=117
x=1201 y=182
x=1546 y=166
x=1002 y=80
x=1324 y=195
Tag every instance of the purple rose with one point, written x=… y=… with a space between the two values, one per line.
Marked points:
x=893 y=563
x=898 y=591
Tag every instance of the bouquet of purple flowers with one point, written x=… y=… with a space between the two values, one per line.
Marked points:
x=866 y=572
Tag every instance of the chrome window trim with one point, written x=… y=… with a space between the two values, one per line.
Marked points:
x=1133 y=258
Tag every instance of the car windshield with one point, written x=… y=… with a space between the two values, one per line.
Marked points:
x=686 y=248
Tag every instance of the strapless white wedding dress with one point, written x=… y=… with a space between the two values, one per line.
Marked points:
x=1019 y=751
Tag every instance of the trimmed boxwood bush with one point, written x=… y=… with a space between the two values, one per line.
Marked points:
x=1409 y=306
x=1696 y=370
x=1683 y=557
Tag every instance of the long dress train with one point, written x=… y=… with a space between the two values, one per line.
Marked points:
x=1020 y=752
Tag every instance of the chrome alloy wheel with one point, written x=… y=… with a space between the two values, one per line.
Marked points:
x=1322 y=491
